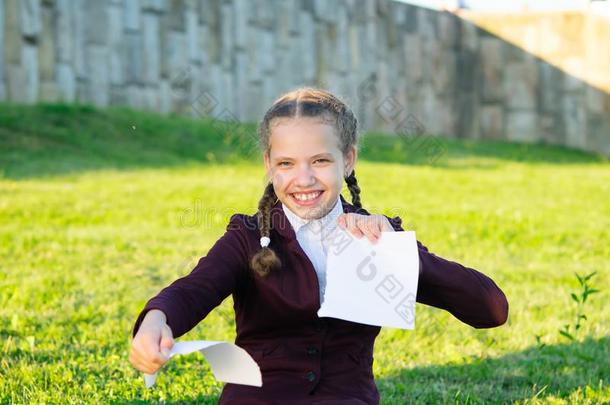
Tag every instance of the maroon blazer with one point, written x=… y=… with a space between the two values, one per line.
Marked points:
x=304 y=358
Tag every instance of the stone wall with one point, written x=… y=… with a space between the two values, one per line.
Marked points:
x=402 y=68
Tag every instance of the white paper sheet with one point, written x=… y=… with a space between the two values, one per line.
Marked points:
x=372 y=284
x=229 y=362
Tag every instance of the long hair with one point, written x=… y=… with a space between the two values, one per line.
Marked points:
x=303 y=102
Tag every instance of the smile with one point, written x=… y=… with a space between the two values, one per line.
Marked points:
x=307 y=198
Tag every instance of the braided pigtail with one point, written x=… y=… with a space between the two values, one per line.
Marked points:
x=354 y=189
x=265 y=260
x=312 y=103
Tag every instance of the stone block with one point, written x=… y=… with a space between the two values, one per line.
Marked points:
x=15 y=83
x=192 y=36
x=552 y=129
x=598 y=133
x=152 y=49
x=98 y=89
x=307 y=41
x=491 y=121
x=520 y=85
x=522 y=126
x=157 y=6
x=131 y=15
x=241 y=11
x=64 y=33
x=96 y=22
x=66 y=82
x=176 y=15
x=118 y=95
x=133 y=57
x=29 y=64
x=12 y=36
x=46 y=49
x=176 y=57
x=3 y=94
x=165 y=95
x=227 y=29
x=575 y=120
x=116 y=45
x=469 y=38
x=135 y=96
x=48 y=92
x=550 y=88
x=31 y=18
x=448 y=29
x=150 y=96
x=492 y=69
x=413 y=58
x=598 y=101
x=79 y=20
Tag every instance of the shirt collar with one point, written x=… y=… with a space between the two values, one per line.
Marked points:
x=283 y=228
x=298 y=222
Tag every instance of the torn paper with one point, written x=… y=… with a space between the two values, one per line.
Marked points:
x=373 y=284
x=229 y=362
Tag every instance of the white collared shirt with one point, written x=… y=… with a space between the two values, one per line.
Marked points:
x=312 y=235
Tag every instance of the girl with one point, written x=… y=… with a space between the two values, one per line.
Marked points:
x=273 y=263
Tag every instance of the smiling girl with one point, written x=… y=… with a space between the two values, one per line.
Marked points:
x=273 y=264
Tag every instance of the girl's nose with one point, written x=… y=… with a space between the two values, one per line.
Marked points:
x=305 y=176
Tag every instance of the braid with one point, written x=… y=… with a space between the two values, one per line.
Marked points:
x=265 y=260
x=354 y=189
x=302 y=102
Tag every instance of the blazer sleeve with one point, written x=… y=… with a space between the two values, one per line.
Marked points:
x=467 y=294
x=218 y=274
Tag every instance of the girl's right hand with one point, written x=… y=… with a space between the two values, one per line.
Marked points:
x=152 y=343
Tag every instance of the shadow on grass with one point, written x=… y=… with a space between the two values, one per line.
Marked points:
x=56 y=139
x=557 y=370
x=53 y=139
x=473 y=153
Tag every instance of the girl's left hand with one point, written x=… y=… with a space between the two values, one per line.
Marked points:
x=370 y=226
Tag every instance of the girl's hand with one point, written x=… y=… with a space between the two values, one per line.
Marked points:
x=370 y=226
x=151 y=345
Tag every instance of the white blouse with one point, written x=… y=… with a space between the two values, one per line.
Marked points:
x=312 y=235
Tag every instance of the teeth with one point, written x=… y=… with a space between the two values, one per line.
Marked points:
x=307 y=197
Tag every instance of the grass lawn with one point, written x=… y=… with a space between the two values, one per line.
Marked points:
x=101 y=209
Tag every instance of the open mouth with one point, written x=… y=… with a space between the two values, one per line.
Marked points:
x=307 y=199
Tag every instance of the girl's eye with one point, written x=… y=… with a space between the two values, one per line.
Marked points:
x=286 y=163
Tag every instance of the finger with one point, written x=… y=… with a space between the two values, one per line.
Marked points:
x=377 y=225
x=144 y=354
x=341 y=221
x=141 y=365
x=134 y=360
x=146 y=363
x=158 y=360
x=381 y=225
x=148 y=368
x=147 y=349
x=167 y=341
x=386 y=226
x=144 y=367
x=367 y=226
x=147 y=345
x=352 y=226
x=137 y=352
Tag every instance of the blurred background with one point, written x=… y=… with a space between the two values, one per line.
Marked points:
x=532 y=71
x=128 y=139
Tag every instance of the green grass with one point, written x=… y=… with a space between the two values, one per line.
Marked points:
x=101 y=209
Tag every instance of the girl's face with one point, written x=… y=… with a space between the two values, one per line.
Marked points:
x=306 y=165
